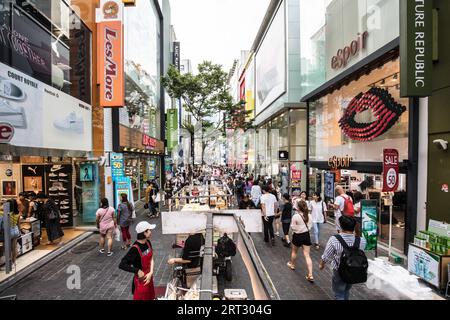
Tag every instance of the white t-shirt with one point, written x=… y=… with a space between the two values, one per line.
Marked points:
x=317 y=211
x=357 y=206
x=269 y=200
x=340 y=201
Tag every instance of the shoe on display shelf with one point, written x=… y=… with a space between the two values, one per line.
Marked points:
x=51 y=180
x=64 y=221
x=53 y=194
x=63 y=194
x=64 y=207
x=63 y=180
x=64 y=216
x=52 y=175
x=71 y=123
x=63 y=174
x=65 y=202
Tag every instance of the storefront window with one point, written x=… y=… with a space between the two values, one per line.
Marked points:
x=142 y=69
x=59 y=41
x=338 y=128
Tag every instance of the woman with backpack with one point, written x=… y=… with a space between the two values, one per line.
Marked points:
x=286 y=218
x=318 y=209
x=51 y=217
x=125 y=219
x=107 y=223
x=301 y=224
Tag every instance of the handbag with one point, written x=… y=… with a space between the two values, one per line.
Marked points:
x=145 y=205
x=98 y=223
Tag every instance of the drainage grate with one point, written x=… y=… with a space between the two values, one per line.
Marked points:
x=84 y=247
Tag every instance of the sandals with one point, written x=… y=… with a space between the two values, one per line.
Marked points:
x=310 y=278
x=290 y=266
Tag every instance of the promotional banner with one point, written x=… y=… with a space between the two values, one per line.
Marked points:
x=424 y=264
x=110 y=53
x=151 y=169
x=369 y=226
x=390 y=170
x=329 y=185
x=172 y=129
x=53 y=119
x=122 y=186
x=117 y=165
x=90 y=197
x=86 y=172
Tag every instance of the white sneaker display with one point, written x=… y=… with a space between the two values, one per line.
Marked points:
x=56 y=167
x=65 y=202
x=62 y=175
x=10 y=91
x=64 y=216
x=70 y=124
x=52 y=175
x=13 y=116
x=64 y=207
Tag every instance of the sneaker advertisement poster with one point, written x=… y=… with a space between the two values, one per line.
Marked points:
x=31 y=106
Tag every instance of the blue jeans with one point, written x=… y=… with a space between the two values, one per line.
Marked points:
x=316 y=232
x=340 y=288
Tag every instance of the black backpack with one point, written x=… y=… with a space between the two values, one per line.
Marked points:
x=226 y=247
x=353 y=265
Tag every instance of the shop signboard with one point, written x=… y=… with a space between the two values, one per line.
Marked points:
x=176 y=55
x=329 y=185
x=54 y=119
x=117 y=165
x=390 y=170
x=369 y=225
x=424 y=264
x=110 y=53
x=172 y=129
x=416 y=48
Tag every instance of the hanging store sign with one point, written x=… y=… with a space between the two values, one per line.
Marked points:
x=382 y=105
x=110 y=53
x=342 y=57
x=148 y=141
x=172 y=129
x=336 y=163
x=6 y=132
x=176 y=55
x=390 y=170
x=416 y=47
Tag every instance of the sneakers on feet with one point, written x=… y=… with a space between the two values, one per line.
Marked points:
x=277 y=234
x=101 y=251
x=290 y=266
x=110 y=254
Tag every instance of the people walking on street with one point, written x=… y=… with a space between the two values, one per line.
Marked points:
x=256 y=194
x=140 y=261
x=107 y=223
x=239 y=187
x=301 y=224
x=343 y=205
x=333 y=253
x=150 y=194
x=268 y=205
x=286 y=218
x=318 y=213
x=125 y=219
x=52 y=217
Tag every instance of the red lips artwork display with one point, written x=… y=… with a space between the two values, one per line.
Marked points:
x=383 y=106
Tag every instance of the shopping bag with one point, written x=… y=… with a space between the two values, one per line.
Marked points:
x=158 y=197
x=117 y=234
x=133 y=215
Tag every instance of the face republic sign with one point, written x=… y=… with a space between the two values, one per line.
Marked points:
x=416 y=56
x=110 y=53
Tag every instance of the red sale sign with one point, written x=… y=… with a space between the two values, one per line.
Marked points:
x=390 y=170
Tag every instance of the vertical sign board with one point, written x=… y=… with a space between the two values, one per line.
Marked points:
x=390 y=170
x=172 y=129
x=369 y=225
x=110 y=55
x=117 y=165
x=176 y=55
x=416 y=48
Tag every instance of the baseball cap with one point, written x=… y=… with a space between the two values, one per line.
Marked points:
x=144 y=226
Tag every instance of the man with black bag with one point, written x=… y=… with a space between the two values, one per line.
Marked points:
x=345 y=251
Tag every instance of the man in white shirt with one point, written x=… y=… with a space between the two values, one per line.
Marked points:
x=339 y=204
x=268 y=202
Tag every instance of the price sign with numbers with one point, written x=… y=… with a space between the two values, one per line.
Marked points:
x=117 y=165
x=390 y=170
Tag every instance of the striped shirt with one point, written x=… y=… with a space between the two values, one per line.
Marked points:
x=334 y=249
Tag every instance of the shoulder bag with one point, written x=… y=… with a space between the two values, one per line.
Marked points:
x=101 y=219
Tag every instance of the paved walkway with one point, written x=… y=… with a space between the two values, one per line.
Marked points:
x=101 y=279
x=292 y=285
